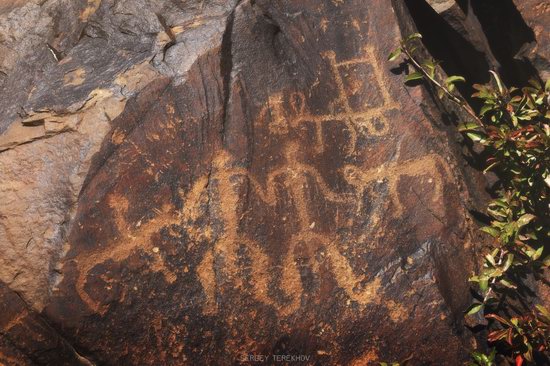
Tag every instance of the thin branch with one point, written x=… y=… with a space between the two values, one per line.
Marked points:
x=459 y=101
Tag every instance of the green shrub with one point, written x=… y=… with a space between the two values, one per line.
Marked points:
x=513 y=127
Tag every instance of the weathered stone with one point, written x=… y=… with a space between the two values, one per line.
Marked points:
x=287 y=196
x=471 y=37
x=10 y=355
x=460 y=17
x=41 y=180
x=27 y=339
x=442 y=6
x=198 y=182
x=537 y=15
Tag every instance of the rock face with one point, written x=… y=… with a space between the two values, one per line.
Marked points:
x=205 y=182
x=537 y=15
x=28 y=339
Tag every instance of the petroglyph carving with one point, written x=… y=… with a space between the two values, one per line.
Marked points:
x=139 y=237
x=427 y=166
x=372 y=117
x=357 y=117
x=219 y=192
x=127 y=243
x=226 y=246
x=224 y=182
x=296 y=178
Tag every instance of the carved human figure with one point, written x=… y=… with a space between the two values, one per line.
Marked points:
x=220 y=189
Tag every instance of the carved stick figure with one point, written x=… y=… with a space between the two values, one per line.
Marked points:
x=295 y=178
x=227 y=245
x=294 y=175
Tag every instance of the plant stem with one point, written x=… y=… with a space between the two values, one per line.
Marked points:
x=501 y=257
x=459 y=101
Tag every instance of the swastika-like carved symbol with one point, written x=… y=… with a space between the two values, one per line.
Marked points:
x=349 y=107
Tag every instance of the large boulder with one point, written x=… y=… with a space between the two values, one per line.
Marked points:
x=213 y=182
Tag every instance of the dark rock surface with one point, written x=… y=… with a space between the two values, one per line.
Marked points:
x=193 y=182
x=251 y=208
x=28 y=339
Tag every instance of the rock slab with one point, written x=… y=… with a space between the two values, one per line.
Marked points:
x=222 y=180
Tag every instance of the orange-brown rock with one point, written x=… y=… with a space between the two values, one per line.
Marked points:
x=271 y=204
x=213 y=182
x=27 y=339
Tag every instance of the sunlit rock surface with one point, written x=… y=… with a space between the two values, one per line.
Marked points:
x=201 y=182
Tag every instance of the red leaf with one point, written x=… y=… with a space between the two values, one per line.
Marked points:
x=519 y=360
x=499 y=319
x=515 y=134
x=532 y=144
x=497 y=335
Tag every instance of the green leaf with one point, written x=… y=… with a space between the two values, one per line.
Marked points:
x=507 y=284
x=395 y=54
x=473 y=279
x=454 y=78
x=491 y=231
x=499 y=202
x=535 y=83
x=474 y=308
x=468 y=126
x=486 y=108
x=477 y=357
x=414 y=76
x=537 y=253
x=525 y=219
x=547 y=86
x=429 y=66
x=499 y=83
x=475 y=137
x=497 y=272
x=483 y=284
x=543 y=312
x=508 y=263
x=514 y=121
x=413 y=36
x=491 y=259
